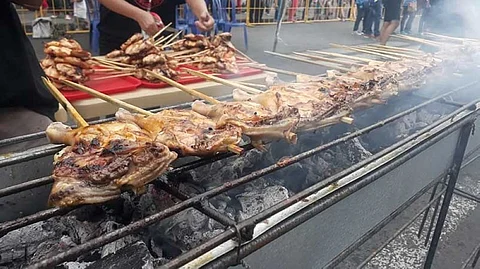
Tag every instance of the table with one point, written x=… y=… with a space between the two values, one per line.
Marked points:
x=150 y=98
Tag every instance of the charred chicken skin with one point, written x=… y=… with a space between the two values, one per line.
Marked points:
x=186 y=132
x=102 y=160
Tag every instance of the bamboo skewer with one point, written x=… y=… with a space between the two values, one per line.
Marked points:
x=453 y=38
x=327 y=59
x=107 y=98
x=253 y=85
x=422 y=41
x=364 y=51
x=65 y=103
x=182 y=52
x=245 y=55
x=276 y=70
x=309 y=61
x=161 y=40
x=183 y=88
x=112 y=63
x=385 y=47
x=113 y=76
x=171 y=44
x=366 y=60
x=222 y=81
x=161 y=31
x=386 y=52
x=171 y=39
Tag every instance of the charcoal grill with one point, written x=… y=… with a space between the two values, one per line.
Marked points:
x=274 y=236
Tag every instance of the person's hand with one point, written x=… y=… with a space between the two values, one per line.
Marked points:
x=205 y=22
x=147 y=23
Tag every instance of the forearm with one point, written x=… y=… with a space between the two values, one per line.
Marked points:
x=123 y=8
x=198 y=7
x=29 y=4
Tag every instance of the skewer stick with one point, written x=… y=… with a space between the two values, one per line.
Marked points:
x=113 y=76
x=422 y=41
x=163 y=39
x=182 y=52
x=253 y=85
x=245 y=55
x=188 y=90
x=366 y=60
x=171 y=39
x=104 y=61
x=65 y=103
x=396 y=48
x=395 y=54
x=235 y=149
x=174 y=43
x=276 y=70
x=222 y=81
x=327 y=59
x=161 y=31
x=364 y=51
x=309 y=61
x=453 y=38
x=107 y=98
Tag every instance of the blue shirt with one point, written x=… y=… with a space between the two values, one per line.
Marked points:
x=407 y=2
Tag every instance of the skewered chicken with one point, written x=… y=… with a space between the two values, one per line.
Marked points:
x=102 y=160
x=256 y=121
x=65 y=59
x=187 y=132
x=143 y=54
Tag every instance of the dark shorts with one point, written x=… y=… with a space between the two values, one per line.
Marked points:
x=392 y=10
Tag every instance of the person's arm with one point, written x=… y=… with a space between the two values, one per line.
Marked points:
x=29 y=4
x=199 y=9
x=143 y=18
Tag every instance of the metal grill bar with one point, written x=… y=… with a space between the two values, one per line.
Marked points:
x=110 y=237
x=26 y=186
x=324 y=203
x=21 y=222
x=204 y=207
x=331 y=180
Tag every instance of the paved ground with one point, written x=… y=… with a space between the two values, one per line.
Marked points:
x=407 y=251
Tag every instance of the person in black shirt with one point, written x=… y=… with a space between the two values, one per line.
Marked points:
x=26 y=106
x=391 y=19
x=120 y=19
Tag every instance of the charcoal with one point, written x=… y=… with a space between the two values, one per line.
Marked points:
x=76 y=265
x=116 y=245
x=185 y=230
x=132 y=256
x=256 y=201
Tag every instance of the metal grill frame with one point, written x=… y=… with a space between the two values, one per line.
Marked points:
x=243 y=231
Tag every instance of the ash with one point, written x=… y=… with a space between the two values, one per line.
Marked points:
x=161 y=242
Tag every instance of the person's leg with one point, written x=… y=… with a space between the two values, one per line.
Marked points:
x=404 y=19
x=378 y=18
x=387 y=30
x=369 y=22
x=411 y=17
x=359 y=18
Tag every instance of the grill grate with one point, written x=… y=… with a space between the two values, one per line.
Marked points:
x=240 y=230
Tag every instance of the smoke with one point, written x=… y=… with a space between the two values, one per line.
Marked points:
x=459 y=17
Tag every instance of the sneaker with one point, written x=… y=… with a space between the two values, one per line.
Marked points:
x=359 y=33
x=403 y=32
x=369 y=36
x=67 y=17
x=53 y=16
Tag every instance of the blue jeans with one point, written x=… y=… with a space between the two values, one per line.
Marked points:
x=373 y=18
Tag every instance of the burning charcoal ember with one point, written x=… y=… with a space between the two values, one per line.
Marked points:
x=187 y=229
x=256 y=201
x=132 y=256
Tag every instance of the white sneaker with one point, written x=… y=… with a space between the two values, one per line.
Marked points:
x=67 y=17
x=359 y=33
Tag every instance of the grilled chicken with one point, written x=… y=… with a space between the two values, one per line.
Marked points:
x=279 y=98
x=256 y=121
x=102 y=160
x=187 y=132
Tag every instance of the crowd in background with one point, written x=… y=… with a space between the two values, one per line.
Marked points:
x=369 y=15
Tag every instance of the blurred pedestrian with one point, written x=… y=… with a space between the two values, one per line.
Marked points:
x=426 y=11
x=361 y=12
x=391 y=19
x=408 y=15
x=374 y=15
